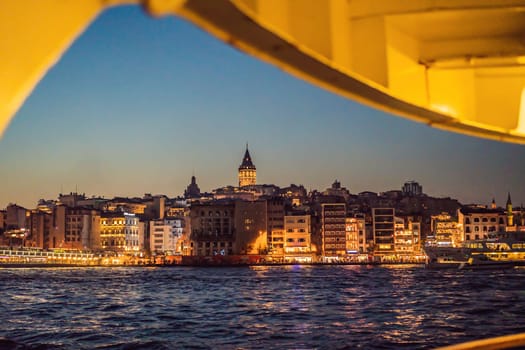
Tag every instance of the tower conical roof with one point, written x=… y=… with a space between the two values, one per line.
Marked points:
x=247 y=161
x=508 y=199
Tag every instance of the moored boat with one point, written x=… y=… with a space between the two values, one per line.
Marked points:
x=499 y=252
x=483 y=262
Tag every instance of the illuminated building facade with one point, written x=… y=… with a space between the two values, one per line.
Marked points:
x=384 y=227
x=355 y=235
x=127 y=205
x=446 y=231
x=119 y=232
x=407 y=237
x=333 y=230
x=247 y=171
x=297 y=238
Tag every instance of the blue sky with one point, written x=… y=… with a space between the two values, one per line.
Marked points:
x=138 y=104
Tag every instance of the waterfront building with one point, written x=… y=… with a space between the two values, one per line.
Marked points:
x=407 y=237
x=251 y=227
x=297 y=238
x=355 y=235
x=333 y=230
x=165 y=235
x=82 y=230
x=119 y=232
x=383 y=227
x=16 y=217
x=478 y=222
x=446 y=231
x=144 y=235
x=40 y=226
x=275 y=228
x=247 y=171
x=74 y=228
x=412 y=188
x=211 y=229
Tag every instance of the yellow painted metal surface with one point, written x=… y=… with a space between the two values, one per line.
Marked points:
x=454 y=64
x=512 y=341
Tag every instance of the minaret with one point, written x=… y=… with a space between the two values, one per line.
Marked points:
x=247 y=171
x=510 y=216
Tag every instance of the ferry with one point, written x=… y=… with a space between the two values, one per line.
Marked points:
x=491 y=252
x=482 y=262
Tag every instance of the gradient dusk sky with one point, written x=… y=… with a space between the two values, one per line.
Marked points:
x=138 y=104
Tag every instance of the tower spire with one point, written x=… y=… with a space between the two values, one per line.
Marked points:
x=247 y=171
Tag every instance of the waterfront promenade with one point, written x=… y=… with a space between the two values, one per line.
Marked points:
x=42 y=258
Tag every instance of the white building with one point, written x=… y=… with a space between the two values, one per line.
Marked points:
x=479 y=222
x=165 y=235
x=297 y=238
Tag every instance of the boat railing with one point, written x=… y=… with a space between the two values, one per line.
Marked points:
x=502 y=342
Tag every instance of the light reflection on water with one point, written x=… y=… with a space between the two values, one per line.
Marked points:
x=263 y=307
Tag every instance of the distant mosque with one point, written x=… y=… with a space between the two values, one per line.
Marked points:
x=247 y=171
x=193 y=190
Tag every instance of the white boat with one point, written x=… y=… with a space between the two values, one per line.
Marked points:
x=490 y=252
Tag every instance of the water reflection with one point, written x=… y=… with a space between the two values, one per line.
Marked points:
x=261 y=307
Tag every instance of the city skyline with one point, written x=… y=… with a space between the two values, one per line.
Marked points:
x=139 y=105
